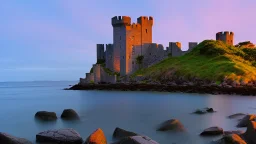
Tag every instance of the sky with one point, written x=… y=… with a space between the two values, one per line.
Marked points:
x=56 y=39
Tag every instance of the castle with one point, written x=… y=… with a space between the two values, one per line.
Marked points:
x=132 y=49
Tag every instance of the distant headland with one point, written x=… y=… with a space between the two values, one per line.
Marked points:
x=132 y=58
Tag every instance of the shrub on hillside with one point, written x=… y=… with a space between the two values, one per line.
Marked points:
x=250 y=54
x=211 y=47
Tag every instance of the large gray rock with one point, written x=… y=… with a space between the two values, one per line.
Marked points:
x=121 y=133
x=69 y=114
x=212 y=131
x=8 y=139
x=238 y=132
x=230 y=139
x=45 y=115
x=246 y=120
x=136 y=140
x=63 y=136
x=97 y=137
x=172 y=124
x=237 y=115
x=250 y=134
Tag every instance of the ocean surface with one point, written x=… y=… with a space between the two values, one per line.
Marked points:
x=140 y=112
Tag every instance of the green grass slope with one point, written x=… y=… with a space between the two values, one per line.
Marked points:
x=210 y=60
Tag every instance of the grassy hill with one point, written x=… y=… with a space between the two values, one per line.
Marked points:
x=210 y=60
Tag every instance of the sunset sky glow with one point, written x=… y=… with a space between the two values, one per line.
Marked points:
x=56 y=40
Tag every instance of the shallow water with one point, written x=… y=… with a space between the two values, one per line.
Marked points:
x=140 y=112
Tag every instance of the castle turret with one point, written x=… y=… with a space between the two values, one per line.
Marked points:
x=100 y=52
x=120 y=21
x=227 y=37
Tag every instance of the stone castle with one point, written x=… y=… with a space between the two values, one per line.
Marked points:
x=131 y=41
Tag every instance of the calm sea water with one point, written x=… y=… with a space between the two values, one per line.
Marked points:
x=140 y=112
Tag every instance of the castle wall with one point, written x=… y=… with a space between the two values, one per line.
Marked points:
x=96 y=72
x=191 y=45
x=175 y=48
x=105 y=77
x=89 y=77
x=109 y=57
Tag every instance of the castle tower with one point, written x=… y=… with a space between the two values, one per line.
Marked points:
x=100 y=52
x=226 y=37
x=127 y=36
x=109 y=57
x=119 y=30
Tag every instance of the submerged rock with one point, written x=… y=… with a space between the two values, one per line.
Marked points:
x=209 y=110
x=97 y=137
x=121 y=133
x=8 y=139
x=212 y=131
x=63 y=136
x=203 y=111
x=246 y=120
x=230 y=139
x=69 y=114
x=136 y=140
x=237 y=115
x=172 y=124
x=45 y=115
x=198 y=111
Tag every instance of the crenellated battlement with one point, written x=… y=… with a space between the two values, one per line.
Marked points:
x=225 y=33
x=145 y=20
x=120 y=21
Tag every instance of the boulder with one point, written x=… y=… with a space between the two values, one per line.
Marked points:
x=238 y=132
x=231 y=139
x=203 y=111
x=69 y=114
x=209 y=110
x=45 y=115
x=236 y=115
x=63 y=136
x=172 y=124
x=198 y=111
x=246 y=120
x=212 y=131
x=8 y=139
x=97 y=137
x=250 y=133
x=121 y=133
x=136 y=140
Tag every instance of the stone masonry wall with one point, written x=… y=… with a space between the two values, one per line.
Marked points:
x=109 y=57
x=96 y=72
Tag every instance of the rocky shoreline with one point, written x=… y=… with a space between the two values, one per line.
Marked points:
x=122 y=136
x=202 y=89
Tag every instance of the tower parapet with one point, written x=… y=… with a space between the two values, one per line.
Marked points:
x=226 y=36
x=145 y=20
x=120 y=21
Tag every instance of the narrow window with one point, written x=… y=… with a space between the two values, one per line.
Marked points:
x=120 y=37
x=146 y=30
x=149 y=53
x=123 y=57
x=120 y=47
x=132 y=62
